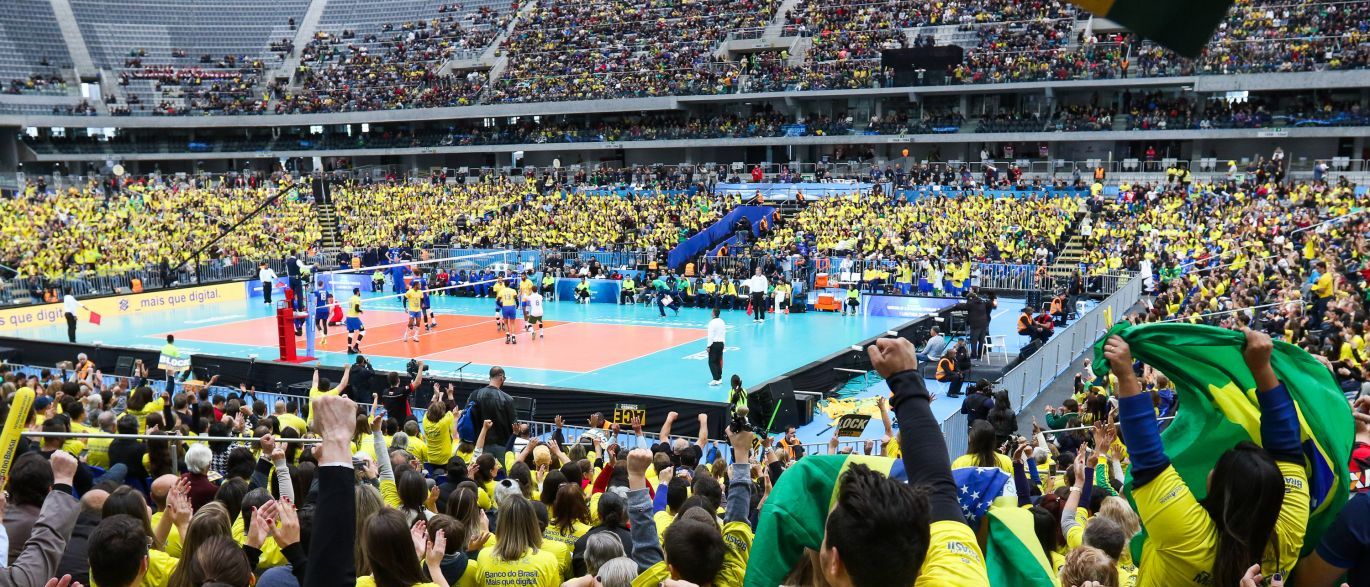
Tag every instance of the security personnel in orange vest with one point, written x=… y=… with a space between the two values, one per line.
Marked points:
x=1058 y=309
x=947 y=373
x=1027 y=327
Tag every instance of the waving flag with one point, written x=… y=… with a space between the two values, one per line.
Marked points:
x=1183 y=26
x=1014 y=556
x=1218 y=408
x=796 y=513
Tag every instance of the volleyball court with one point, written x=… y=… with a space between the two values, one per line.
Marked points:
x=457 y=320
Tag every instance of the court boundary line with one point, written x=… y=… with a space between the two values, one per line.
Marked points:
x=639 y=357
x=478 y=323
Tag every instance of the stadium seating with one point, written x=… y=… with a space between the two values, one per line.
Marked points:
x=32 y=51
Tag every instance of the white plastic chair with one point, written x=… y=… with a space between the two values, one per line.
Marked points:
x=996 y=344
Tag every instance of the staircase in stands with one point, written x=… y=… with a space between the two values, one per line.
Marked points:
x=327 y=217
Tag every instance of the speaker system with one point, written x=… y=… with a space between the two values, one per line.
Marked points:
x=123 y=367
x=783 y=411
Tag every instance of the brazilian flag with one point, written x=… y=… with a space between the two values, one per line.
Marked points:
x=1218 y=408
x=1013 y=554
x=796 y=512
x=1183 y=26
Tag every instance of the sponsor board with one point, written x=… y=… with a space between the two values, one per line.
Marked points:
x=125 y=305
x=904 y=306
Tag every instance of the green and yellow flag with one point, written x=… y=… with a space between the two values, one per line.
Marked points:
x=1013 y=554
x=1218 y=408
x=796 y=513
x=1183 y=26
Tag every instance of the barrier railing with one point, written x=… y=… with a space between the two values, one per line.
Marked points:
x=84 y=284
x=1031 y=376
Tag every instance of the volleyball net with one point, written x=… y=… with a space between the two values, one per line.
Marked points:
x=382 y=287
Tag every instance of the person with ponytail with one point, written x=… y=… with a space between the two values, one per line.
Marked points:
x=393 y=551
x=1256 y=511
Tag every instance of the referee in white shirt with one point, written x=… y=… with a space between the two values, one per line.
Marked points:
x=717 y=329
x=69 y=308
x=268 y=279
x=758 y=285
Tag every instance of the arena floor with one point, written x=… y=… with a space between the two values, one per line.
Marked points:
x=601 y=347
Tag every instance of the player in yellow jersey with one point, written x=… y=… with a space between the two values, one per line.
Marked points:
x=507 y=299
x=354 y=322
x=526 y=288
x=413 y=303
x=497 y=287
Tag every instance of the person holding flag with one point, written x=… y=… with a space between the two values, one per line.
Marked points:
x=69 y=308
x=1253 y=512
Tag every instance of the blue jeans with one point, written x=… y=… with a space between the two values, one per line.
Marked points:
x=116 y=473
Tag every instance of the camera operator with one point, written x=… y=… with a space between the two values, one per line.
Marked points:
x=363 y=381
x=978 y=309
x=397 y=398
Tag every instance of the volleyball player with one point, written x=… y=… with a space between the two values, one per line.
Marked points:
x=526 y=288
x=321 y=312
x=532 y=303
x=354 y=322
x=413 y=302
x=430 y=321
x=497 y=287
x=508 y=302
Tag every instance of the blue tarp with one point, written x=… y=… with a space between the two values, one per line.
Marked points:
x=718 y=231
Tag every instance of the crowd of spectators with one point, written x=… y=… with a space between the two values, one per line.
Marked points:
x=397 y=67
x=582 y=51
x=501 y=213
x=37 y=83
x=466 y=494
x=567 y=50
x=945 y=228
x=146 y=224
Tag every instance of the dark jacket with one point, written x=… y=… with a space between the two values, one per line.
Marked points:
x=491 y=403
x=75 y=561
x=977 y=311
x=130 y=453
x=976 y=406
x=579 y=568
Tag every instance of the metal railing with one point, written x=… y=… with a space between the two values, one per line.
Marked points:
x=90 y=283
x=1033 y=375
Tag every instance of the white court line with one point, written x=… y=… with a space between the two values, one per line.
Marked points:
x=491 y=342
x=406 y=322
x=215 y=319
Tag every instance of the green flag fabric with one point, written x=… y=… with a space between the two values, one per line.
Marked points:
x=1183 y=26
x=1218 y=408
x=1013 y=554
x=796 y=513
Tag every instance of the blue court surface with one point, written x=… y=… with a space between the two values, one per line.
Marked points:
x=601 y=347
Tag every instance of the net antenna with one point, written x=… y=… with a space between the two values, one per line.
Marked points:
x=396 y=276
